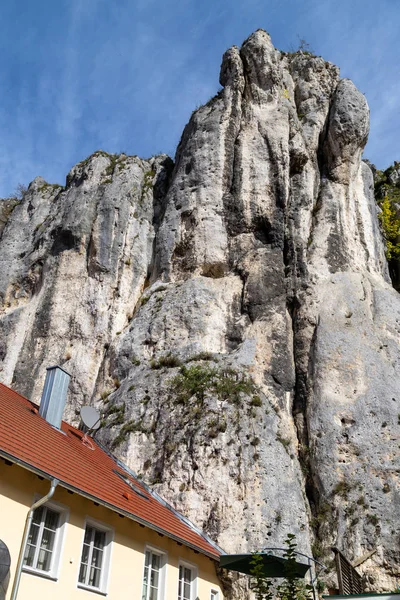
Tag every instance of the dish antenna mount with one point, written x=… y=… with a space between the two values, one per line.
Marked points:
x=90 y=417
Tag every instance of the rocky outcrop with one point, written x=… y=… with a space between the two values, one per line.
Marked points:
x=233 y=318
x=73 y=264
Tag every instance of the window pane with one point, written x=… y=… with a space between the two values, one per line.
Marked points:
x=151 y=576
x=180 y=589
x=37 y=515
x=154 y=578
x=48 y=538
x=33 y=534
x=153 y=594
x=185 y=587
x=92 y=557
x=44 y=560
x=99 y=539
x=29 y=555
x=88 y=535
x=144 y=592
x=146 y=575
x=82 y=574
x=85 y=554
x=97 y=557
x=186 y=590
x=94 y=578
x=155 y=563
x=51 y=520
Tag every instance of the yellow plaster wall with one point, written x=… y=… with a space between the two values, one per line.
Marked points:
x=17 y=489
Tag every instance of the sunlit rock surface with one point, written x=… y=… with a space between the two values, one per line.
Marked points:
x=231 y=315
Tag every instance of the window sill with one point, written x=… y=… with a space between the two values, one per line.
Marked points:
x=88 y=588
x=39 y=573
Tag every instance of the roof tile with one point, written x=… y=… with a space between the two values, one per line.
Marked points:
x=28 y=438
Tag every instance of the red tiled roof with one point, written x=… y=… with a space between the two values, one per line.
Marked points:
x=27 y=438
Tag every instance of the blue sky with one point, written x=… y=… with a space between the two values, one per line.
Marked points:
x=125 y=75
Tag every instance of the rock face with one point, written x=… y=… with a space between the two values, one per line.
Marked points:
x=231 y=315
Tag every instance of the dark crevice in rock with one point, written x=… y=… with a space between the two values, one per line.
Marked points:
x=321 y=158
x=232 y=200
x=299 y=412
x=64 y=240
x=160 y=191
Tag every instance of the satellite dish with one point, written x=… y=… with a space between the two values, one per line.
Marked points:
x=90 y=417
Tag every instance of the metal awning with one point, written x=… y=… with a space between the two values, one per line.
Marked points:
x=274 y=566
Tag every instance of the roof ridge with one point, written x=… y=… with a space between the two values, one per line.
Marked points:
x=161 y=500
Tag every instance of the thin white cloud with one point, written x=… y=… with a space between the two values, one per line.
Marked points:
x=126 y=75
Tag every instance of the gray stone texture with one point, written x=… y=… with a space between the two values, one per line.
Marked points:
x=257 y=254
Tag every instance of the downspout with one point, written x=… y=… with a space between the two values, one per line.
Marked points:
x=28 y=522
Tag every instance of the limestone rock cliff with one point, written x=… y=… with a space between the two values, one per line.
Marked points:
x=230 y=314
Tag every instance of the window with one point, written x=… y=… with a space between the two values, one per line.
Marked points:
x=153 y=575
x=187 y=582
x=94 y=565
x=214 y=595
x=43 y=547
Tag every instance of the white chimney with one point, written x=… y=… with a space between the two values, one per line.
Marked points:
x=54 y=395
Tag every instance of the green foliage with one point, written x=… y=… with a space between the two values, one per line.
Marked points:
x=391 y=228
x=147 y=183
x=202 y=356
x=323 y=516
x=200 y=380
x=262 y=586
x=293 y=587
x=84 y=162
x=373 y=519
x=342 y=489
x=317 y=549
x=148 y=179
x=284 y=441
x=110 y=169
x=169 y=361
x=126 y=429
x=117 y=414
x=387 y=195
x=52 y=187
x=256 y=401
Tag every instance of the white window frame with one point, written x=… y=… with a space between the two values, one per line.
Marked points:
x=106 y=564
x=162 y=573
x=214 y=594
x=63 y=512
x=193 y=584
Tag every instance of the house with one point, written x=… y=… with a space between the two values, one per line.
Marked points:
x=100 y=530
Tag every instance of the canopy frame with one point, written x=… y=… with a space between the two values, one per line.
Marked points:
x=311 y=565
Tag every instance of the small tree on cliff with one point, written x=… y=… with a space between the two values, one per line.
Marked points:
x=293 y=587
x=391 y=227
